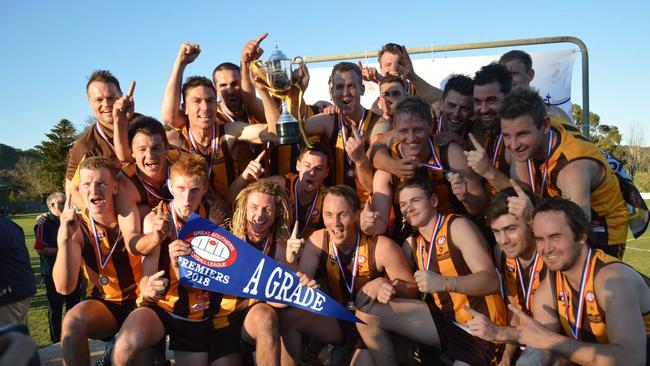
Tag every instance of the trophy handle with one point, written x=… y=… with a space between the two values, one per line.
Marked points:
x=257 y=69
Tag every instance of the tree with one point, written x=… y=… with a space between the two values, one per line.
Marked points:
x=53 y=155
x=637 y=154
x=606 y=137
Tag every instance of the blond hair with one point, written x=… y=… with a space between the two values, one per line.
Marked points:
x=282 y=219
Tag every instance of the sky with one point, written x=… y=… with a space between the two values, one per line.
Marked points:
x=50 y=48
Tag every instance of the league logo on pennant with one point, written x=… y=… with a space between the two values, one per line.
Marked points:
x=221 y=262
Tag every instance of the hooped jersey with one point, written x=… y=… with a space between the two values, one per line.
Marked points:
x=310 y=216
x=594 y=322
x=608 y=210
x=513 y=280
x=342 y=165
x=224 y=170
x=232 y=305
x=113 y=273
x=366 y=268
x=449 y=261
x=184 y=302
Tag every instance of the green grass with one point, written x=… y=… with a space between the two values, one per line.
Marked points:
x=38 y=325
x=637 y=254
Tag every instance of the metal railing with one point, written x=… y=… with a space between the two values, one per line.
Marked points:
x=493 y=44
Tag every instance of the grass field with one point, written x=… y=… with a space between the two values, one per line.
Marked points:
x=637 y=254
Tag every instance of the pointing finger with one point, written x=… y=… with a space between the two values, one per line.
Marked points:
x=157 y=275
x=260 y=156
x=68 y=201
x=519 y=313
x=356 y=134
x=518 y=189
x=294 y=233
x=131 y=89
x=260 y=39
x=159 y=207
x=475 y=143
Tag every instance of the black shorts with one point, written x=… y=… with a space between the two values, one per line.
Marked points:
x=459 y=345
x=350 y=335
x=117 y=310
x=227 y=340
x=184 y=335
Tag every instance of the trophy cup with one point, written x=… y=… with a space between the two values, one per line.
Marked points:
x=277 y=71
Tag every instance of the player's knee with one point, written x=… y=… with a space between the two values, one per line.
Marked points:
x=74 y=325
x=367 y=316
x=266 y=321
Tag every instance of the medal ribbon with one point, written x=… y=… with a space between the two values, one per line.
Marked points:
x=532 y=175
x=214 y=146
x=497 y=147
x=575 y=329
x=150 y=188
x=101 y=132
x=440 y=123
x=421 y=243
x=102 y=261
x=297 y=206
x=527 y=290
x=350 y=287
x=174 y=219
x=436 y=166
x=343 y=131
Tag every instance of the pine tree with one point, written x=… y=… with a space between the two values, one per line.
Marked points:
x=53 y=155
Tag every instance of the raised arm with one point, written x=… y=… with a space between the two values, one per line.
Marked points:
x=122 y=113
x=251 y=52
x=170 y=112
x=68 y=259
x=427 y=91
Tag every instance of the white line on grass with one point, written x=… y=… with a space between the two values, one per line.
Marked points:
x=637 y=249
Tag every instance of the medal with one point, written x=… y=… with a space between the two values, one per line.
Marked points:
x=103 y=280
x=350 y=305
x=350 y=287
x=350 y=173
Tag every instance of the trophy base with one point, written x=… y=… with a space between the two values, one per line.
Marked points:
x=288 y=140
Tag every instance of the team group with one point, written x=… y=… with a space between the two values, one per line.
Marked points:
x=471 y=225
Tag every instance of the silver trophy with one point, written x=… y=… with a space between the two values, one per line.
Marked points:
x=279 y=69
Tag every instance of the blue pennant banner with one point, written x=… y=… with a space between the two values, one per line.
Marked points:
x=221 y=262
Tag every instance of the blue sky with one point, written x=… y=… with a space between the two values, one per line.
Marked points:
x=49 y=48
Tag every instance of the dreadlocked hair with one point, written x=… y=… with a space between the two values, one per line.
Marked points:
x=282 y=220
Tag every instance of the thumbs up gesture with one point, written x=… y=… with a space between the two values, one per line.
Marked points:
x=521 y=205
x=294 y=244
x=478 y=159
